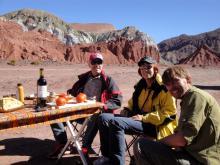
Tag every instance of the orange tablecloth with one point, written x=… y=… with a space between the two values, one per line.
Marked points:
x=27 y=116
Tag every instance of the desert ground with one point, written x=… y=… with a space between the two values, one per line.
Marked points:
x=31 y=145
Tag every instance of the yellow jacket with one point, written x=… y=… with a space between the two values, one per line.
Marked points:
x=159 y=111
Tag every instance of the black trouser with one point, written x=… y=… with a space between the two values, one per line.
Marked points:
x=149 y=152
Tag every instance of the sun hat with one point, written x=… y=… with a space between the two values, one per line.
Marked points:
x=146 y=59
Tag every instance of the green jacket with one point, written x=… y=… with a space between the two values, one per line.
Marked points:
x=200 y=123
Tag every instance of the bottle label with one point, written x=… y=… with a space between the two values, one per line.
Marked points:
x=42 y=91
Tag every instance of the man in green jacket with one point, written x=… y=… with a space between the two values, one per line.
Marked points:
x=197 y=137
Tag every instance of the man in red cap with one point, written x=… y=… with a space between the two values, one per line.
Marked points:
x=95 y=84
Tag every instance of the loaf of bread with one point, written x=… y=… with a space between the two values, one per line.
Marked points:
x=9 y=103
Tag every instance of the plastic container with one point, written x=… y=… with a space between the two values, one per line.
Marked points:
x=20 y=92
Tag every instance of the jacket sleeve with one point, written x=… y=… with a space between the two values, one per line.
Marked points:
x=114 y=96
x=163 y=108
x=78 y=86
x=76 y=89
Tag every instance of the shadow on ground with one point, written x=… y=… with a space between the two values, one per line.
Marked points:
x=36 y=149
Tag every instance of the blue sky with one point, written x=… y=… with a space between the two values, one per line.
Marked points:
x=161 y=19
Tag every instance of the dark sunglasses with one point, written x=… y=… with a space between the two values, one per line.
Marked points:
x=144 y=67
x=95 y=62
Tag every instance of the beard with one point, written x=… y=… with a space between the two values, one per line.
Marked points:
x=177 y=93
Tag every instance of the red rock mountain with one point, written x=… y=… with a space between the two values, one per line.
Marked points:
x=15 y=44
x=39 y=45
x=34 y=35
x=203 y=56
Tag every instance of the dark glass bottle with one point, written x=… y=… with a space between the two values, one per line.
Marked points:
x=41 y=90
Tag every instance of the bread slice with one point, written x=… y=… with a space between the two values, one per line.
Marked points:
x=9 y=103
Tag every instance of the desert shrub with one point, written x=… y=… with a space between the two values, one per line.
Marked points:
x=12 y=62
x=35 y=63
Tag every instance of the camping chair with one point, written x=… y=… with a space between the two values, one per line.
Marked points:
x=130 y=143
x=76 y=126
x=136 y=136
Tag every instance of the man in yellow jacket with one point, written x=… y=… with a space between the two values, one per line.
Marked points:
x=151 y=111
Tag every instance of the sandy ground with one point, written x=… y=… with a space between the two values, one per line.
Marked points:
x=31 y=145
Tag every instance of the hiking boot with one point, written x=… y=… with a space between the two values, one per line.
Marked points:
x=54 y=154
x=91 y=151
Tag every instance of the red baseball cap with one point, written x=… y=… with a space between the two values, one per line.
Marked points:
x=94 y=56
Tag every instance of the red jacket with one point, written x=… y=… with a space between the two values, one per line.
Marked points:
x=110 y=93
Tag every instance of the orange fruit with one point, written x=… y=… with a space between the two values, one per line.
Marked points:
x=62 y=94
x=60 y=101
x=81 y=97
x=67 y=97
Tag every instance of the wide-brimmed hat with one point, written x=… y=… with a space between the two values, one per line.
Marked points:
x=146 y=59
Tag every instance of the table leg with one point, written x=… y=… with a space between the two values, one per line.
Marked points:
x=75 y=138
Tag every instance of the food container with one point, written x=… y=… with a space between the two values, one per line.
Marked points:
x=51 y=97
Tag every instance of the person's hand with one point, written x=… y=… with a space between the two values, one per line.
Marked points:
x=137 y=117
x=69 y=91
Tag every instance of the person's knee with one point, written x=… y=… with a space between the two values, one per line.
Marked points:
x=143 y=146
x=136 y=146
x=104 y=118
x=95 y=116
x=139 y=151
x=116 y=123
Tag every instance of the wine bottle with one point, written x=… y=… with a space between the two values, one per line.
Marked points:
x=41 y=90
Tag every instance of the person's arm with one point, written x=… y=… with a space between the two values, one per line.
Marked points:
x=113 y=96
x=165 y=108
x=191 y=120
x=192 y=117
x=75 y=90
x=78 y=86
x=175 y=140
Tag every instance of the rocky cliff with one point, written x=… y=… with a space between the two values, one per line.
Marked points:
x=36 y=35
x=178 y=48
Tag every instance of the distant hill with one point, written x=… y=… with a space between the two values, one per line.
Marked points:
x=41 y=36
x=202 y=57
x=178 y=48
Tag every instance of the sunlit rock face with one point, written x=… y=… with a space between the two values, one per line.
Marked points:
x=45 y=37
